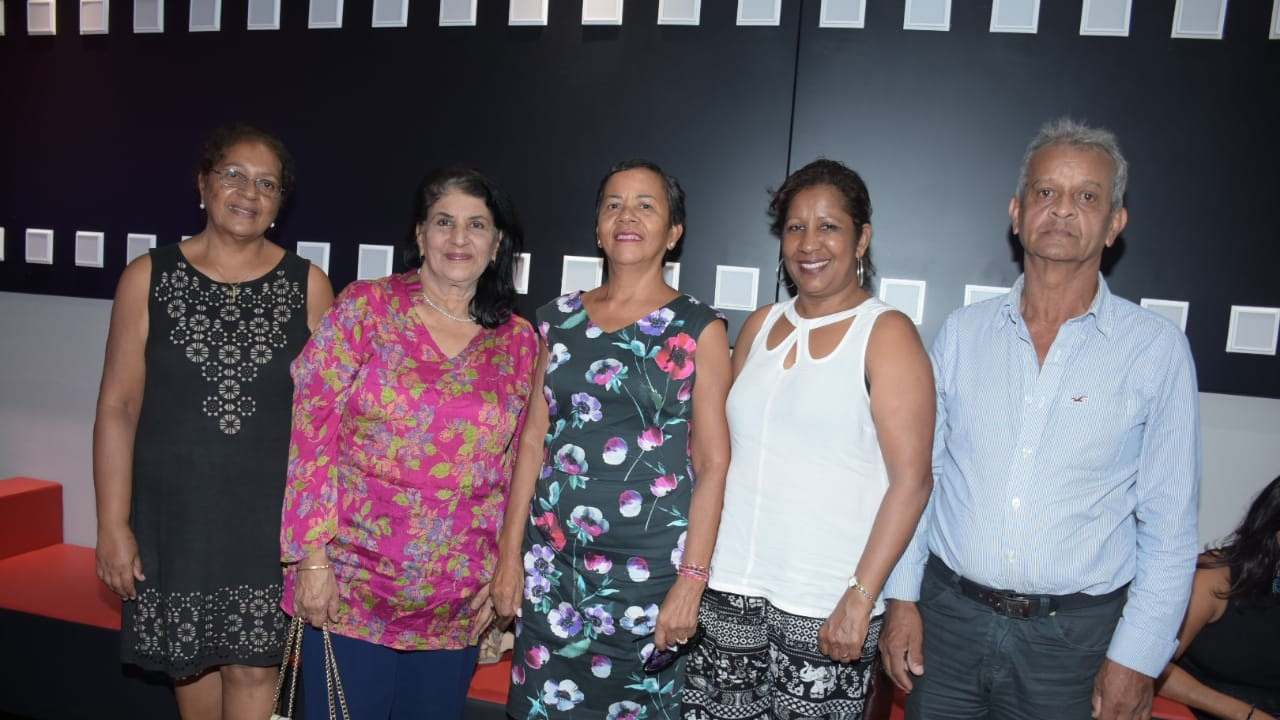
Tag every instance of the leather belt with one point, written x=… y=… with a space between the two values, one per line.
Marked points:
x=1020 y=605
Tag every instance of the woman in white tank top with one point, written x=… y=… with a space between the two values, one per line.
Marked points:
x=831 y=419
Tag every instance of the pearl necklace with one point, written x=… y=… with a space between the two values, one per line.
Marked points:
x=423 y=294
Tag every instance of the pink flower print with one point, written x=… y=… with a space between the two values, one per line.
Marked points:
x=601 y=666
x=629 y=503
x=598 y=563
x=547 y=523
x=563 y=695
x=536 y=655
x=651 y=438
x=585 y=409
x=677 y=553
x=589 y=520
x=605 y=372
x=615 y=451
x=543 y=329
x=517 y=674
x=676 y=356
x=571 y=460
x=656 y=322
x=664 y=484
x=625 y=710
x=637 y=569
x=640 y=620
x=565 y=621
x=685 y=392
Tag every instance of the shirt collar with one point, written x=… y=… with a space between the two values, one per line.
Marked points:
x=1102 y=309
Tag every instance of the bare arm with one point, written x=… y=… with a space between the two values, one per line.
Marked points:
x=902 y=407
x=115 y=426
x=319 y=296
x=709 y=439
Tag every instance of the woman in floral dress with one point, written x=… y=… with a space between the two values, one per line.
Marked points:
x=620 y=476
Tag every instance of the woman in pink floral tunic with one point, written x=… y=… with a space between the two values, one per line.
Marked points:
x=408 y=403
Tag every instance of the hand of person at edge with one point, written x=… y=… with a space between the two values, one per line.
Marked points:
x=1122 y=693
x=118 y=562
x=315 y=596
x=902 y=643
x=842 y=635
x=482 y=613
x=678 y=616
x=507 y=589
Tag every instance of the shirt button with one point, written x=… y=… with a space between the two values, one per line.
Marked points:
x=1027 y=399
x=1026 y=452
x=1017 y=503
x=1009 y=555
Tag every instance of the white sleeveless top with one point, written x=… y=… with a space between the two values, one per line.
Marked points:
x=806 y=476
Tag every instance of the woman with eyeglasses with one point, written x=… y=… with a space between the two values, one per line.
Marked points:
x=832 y=414
x=408 y=407
x=192 y=435
x=619 y=477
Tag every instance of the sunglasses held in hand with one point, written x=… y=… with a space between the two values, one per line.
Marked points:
x=660 y=660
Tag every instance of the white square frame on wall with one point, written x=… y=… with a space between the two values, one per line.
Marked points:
x=263 y=15
x=39 y=248
x=148 y=16
x=528 y=12
x=760 y=13
x=374 y=261
x=520 y=272
x=737 y=287
x=94 y=16
x=905 y=295
x=458 y=13
x=978 y=293
x=1174 y=310
x=1015 y=16
x=390 y=13
x=42 y=17
x=1253 y=330
x=136 y=245
x=578 y=272
x=683 y=12
x=315 y=252
x=927 y=15
x=1 y=35
x=1275 y=21
x=1 y=228
x=671 y=274
x=601 y=12
x=90 y=248
x=1199 y=19
x=1106 y=17
x=206 y=16
x=843 y=14
x=324 y=14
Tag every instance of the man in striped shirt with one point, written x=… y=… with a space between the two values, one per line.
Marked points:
x=1050 y=573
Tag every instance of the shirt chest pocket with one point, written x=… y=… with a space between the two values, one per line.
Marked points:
x=1092 y=431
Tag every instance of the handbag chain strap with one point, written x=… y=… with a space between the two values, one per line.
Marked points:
x=290 y=664
x=332 y=681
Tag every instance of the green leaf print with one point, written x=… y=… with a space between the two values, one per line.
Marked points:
x=388 y=395
x=573 y=320
x=441 y=469
x=574 y=649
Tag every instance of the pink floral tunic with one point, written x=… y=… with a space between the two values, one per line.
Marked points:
x=400 y=462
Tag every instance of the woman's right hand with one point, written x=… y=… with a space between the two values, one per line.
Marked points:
x=315 y=595
x=507 y=587
x=118 y=562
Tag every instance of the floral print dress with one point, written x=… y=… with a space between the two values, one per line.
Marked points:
x=609 y=513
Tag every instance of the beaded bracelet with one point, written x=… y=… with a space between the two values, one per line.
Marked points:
x=693 y=572
x=326 y=566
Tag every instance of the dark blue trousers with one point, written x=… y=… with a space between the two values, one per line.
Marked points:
x=385 y=684
x=980 y=665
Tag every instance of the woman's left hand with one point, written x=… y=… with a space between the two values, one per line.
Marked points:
x=482 y=614
x=841 y=637
x=678 y=616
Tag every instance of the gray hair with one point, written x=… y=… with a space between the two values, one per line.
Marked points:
x=1066 y=131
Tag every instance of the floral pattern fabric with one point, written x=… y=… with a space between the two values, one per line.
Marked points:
x=400 y=463
x=609 y=512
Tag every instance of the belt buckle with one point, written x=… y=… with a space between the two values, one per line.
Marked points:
x=1016 y=606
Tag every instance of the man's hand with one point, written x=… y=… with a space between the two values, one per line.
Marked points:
x=1121 y=693
x=902 y=644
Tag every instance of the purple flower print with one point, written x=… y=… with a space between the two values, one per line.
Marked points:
x=597 y=563
x=605 y=372
x=558 y=356
x=536 y=587
x=664 y=484
x=677 y=553
x=625 y=710
x=651 y=438
x=593 y=330
x=685 y=392
x=569 y=303
x=565 y=621
x=589 y=520
x=563 y=695
x=599 y=619
x=571 y=460
x=637 y=569
x=629 y=503
x=538 y=560
x=640 y=620
x=517 y=674
x=543 y=329
x=536 y=655
x=655 y=323
x=553 y=408
x=585 y=409
x=601 y=666
x=615 y=451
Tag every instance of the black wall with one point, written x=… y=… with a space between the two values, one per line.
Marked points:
x=101 y=133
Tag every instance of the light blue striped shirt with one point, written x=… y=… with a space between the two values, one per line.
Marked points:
x=1078 y=476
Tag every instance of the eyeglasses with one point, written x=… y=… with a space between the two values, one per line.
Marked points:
x=660 y=660
x=233 y=178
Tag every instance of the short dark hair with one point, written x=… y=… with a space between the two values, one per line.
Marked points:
x=675 y=193
x=854 y=197
x=228 y=136
x=495 y=297
x=1251 y=551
